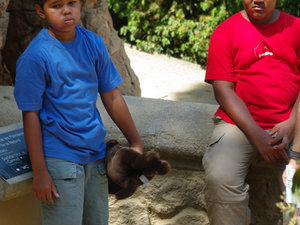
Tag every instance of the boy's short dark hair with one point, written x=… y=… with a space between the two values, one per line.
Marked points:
x=40 y=2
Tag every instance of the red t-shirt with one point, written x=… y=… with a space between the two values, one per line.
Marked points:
x=263 y=62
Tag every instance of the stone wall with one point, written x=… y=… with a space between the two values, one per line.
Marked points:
x=4 y=19
x=180 y=132
x=19 y=23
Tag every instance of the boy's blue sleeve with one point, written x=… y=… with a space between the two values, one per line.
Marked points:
x=29 y=85
x=108 y=76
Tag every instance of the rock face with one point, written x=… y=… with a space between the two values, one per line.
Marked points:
x=167 y=200
x=19 y=23
x=4 y=18
x=180 y=132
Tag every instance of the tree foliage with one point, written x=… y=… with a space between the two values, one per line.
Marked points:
x=289 y=6
x=180 y=28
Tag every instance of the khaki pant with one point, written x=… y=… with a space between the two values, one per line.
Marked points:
x=226 y=164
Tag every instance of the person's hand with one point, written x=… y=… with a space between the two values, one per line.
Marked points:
x=137 y=147
x=293 y=163
x=43 y=187
x=267 y=151
x=283 y=135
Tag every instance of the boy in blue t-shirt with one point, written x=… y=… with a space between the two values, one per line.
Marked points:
x=58 y=79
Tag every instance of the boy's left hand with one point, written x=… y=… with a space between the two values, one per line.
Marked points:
x=283 y=136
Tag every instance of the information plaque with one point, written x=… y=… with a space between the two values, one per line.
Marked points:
x=14 y=160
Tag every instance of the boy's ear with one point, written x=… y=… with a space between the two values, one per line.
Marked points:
x=40 y=11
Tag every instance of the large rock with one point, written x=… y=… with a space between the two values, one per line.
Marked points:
x=3 y=6
x=4 y=19
x=24 y=24
x=96 y=17
x=180 y=132
x=176 y=198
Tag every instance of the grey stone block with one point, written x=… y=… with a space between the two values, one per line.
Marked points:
x=16 y=186
x=179 y=131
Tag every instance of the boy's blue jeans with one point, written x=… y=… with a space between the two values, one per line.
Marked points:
x=83 y=191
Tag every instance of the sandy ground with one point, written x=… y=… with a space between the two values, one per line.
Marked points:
x=164 y=77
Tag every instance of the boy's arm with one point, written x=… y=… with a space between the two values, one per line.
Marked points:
x=285 y=131
x=296 y=144
x=116 y=107
x=43 y=185
x=237 y=110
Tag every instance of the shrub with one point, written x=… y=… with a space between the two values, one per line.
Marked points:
x=179 y=28
x=289 y=6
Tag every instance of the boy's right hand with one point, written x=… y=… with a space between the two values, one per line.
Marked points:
x=44 y=187
x=262 y=142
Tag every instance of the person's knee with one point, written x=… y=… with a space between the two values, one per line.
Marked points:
x=220 y=176
x=223 y=186
x=224 y=174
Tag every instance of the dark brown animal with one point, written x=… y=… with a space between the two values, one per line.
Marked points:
x=125 y=166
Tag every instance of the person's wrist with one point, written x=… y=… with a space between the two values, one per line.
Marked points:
x=294 y=163
x=294 y=155
x=137 y=147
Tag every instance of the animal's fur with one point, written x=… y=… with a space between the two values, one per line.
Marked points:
x=124 y=166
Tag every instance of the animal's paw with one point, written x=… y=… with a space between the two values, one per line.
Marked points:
x=163 y=168
x=151 y=158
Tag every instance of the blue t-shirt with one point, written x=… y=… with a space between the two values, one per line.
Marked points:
x=62 y=80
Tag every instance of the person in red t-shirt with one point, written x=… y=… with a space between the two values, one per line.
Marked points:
x=254 y=67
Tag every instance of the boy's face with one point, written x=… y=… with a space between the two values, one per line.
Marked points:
x=61 y=16
x=260 y=11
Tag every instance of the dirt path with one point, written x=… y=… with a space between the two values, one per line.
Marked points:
x=169 y=78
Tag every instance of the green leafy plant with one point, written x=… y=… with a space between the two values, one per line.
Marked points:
x=290 y=210
x=296 y=186
x=289 y=6
x=179 y=28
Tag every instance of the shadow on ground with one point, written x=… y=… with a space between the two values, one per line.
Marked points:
x=200 y=92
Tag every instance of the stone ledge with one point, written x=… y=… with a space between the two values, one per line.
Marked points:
x=180 y=132
x=177 y=130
